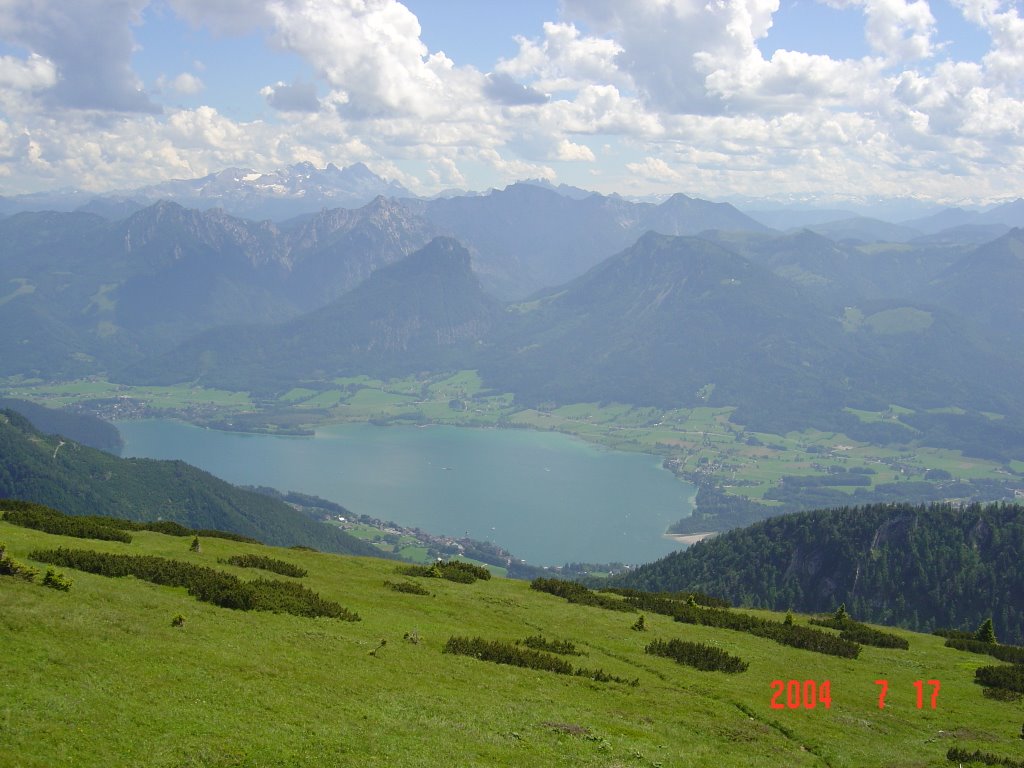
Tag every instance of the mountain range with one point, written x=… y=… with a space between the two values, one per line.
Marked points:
x=277 y=195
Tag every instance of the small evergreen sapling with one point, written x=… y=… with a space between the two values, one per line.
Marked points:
x=986 y=632
x=640 y=625
x=56 y=580
x=195 y=545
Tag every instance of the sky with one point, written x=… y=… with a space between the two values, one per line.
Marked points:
x=787 y=100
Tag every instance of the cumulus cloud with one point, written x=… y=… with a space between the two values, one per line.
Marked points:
x=371 y=53
x=564 y=59
x=567 y=150
x=29 y=74
x=298 y=97
x=655 y=169
x=1005 y=27
x=503 y=89
x=186 y=84
x=90 y=44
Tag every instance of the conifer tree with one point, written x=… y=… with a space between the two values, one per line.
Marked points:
x=986 y=632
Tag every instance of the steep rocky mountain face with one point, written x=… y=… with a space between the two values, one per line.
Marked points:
x=80 y=294
x=425 y=312
x=277 y=195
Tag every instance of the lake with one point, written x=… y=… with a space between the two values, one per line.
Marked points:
x=546 y=497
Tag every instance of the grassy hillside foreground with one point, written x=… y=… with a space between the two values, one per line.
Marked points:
x=98 y=676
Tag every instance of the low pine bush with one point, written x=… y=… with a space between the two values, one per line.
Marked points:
x=11 y=567
x=47 y=520
x=1011 y=653
x=856 y=632
x=698 y=598
x=958 y=755
x=408 y=587
x=575 y=592
x=499 y=652
x=56 y=580
x=805 y=638
x=267 y=564
x=207 y=584
x=452 y=570
x=99 y=526
x=540 y=643
x=1007 y=677
x=706 y=658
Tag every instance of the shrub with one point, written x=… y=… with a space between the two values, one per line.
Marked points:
x=958 y=755
x=452 y=570
x=1011 y=653
x=500 y=652
x=687 y=597
x=408 y=587
x=207 y=584
x=56 y=580
x=11 y=567
x=954 y=634
x=575 y=592
x=194 y=546
x=1010 y=678
x=1001 y=694
x=856 y=632
x=539 y=643
x=640 y=625
x=117 y=524
x=805 y=638
x=48 y=520
x=178 y=621
x=267 y=564
x=698 y=655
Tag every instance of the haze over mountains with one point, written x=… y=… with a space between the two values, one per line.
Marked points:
x=714 y=309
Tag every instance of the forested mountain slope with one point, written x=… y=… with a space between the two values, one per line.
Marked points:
x=80 y=480
x=424 y=313
x=913 y=566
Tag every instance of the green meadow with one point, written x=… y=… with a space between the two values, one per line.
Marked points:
x=98 y=676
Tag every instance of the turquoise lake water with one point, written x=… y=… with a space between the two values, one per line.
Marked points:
x=546 y=497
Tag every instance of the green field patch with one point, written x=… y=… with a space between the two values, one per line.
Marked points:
x=297 y=394
x=852 y=319
x=890 y=322
x=182 y=395
x=327 y=399
x=375 y=398
x=101 y=300
x=24 y=288
x=358 y=381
